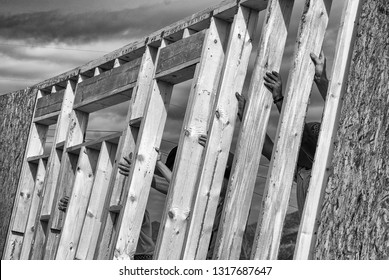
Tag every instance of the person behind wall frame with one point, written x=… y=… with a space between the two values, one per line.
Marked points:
x=273 y=82
x=311 y=130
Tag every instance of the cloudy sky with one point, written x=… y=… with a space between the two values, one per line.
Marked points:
x=43 y=38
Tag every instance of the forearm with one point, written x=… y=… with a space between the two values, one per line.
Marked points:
x=164 y=170
x=322 y=86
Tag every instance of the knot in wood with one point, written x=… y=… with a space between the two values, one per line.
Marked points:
x=171 y=214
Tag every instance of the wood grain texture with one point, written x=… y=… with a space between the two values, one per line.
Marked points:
x=279 y=181
x=31 y=226
x=252 y=133
x=220 y=134
x=189 y=154
x=141 y=174
x=92 y=222
x=108 y=88
x=354 y=217
x=16 y=110
x=117 y=191
x=322 y=163
x=78 y=203
x=49 y=104
x=182 y=52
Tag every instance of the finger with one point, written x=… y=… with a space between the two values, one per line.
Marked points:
x=271 y=76
x=239 y=97
x=123 y=168
x=128 y=160
x=275 y=73
x=270 y=86
x=314 y=58
x=123 y=173
x=268 y=80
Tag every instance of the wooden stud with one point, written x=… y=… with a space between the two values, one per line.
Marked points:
x=137 y=187
x=29 y=234
x=78 y=202
x=290 y=129
x=201 y=99
x=220 y=134
x=320 y=172
x=53 y=165
x=252 y=132
x=75 y=135
x=91 y=225
x=116 y=188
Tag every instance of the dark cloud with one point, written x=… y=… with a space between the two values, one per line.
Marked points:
x=55 y=26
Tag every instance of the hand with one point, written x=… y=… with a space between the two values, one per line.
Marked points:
x=63 y=203
x=241 y=105
x=203 y=140
x=320 y=66
x=124 y=167
x=273 y=83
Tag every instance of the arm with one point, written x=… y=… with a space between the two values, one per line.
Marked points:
x=163 y=169
x=124 y=169
x=320 y=73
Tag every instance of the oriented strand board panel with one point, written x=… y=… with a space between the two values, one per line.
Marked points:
x=49 y=103
x=16 y=110
x=108 y=88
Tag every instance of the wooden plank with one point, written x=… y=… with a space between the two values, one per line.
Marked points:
x=322 y=165
x=188 y=159
x=13 y=246
x=252 y=132
x=142 y=172
x=186 y=51
x=220 y=134
x=134 y=193
x=78 y=203
x=92 y=223
x=116 y=190
x=36 y=159
x=27 y=180
x=36 y=199
x=283 y=164
x=96 y=144
x=76 y=131
x=53 y=171
x=108 y=88
x=49 y=104
x=47 y=119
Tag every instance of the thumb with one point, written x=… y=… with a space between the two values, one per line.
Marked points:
x=314 y=58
